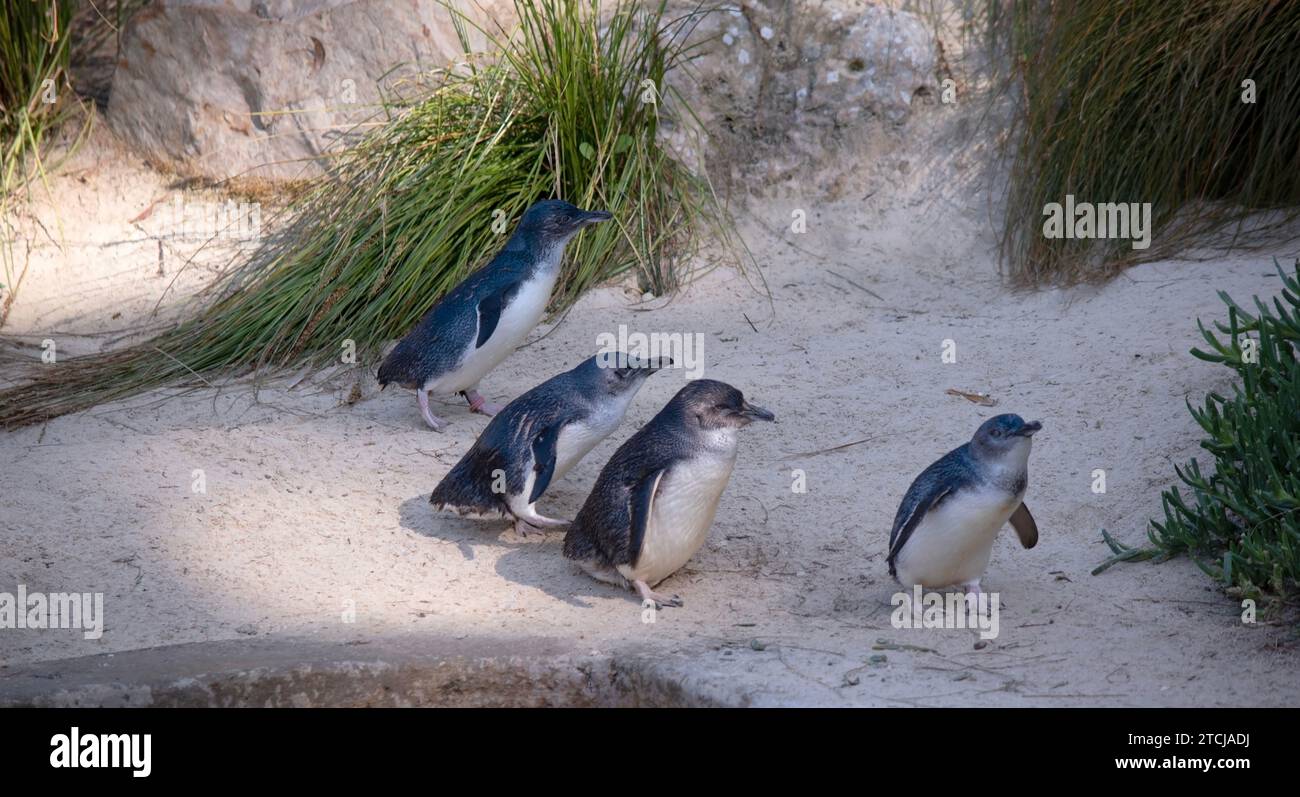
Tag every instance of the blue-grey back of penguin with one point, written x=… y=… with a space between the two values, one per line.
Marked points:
x=436 y=344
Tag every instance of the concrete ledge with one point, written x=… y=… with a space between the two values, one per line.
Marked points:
x=271 y=672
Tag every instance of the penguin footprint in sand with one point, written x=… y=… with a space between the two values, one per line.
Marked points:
x=485 y=318
x=944 y=531
x=539 y=436
x=654 y=501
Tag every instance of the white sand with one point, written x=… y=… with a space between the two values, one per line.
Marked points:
x=314 y=505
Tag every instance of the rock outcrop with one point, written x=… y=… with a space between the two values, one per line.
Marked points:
x=222 y=88
x=781 y=84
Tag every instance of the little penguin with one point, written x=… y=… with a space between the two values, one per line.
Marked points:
x=654 y=501
x=484 y=318
x=944 y=530
x=539 y=436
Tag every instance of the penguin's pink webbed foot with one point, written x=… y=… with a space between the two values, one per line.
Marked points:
x=436 y=423
x=537 y=524
x=973 y=593
x=479 y=404
x=524 y=529
x=660 y=601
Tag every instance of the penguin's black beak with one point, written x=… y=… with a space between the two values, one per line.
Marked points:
x=1028 y=429
x=596 y=217
x=635 y=364
x=754 y=412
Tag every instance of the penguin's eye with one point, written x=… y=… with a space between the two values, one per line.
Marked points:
x=995 y=432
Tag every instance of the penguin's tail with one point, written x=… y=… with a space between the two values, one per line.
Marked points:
x=468 y=489
x=392 y=369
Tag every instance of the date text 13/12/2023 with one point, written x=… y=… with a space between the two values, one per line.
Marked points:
x=1188 y=739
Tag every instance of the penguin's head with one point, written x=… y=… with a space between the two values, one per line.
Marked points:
x=553 y=221
x=718 y=405
x=617 y=373
x=1003 y=434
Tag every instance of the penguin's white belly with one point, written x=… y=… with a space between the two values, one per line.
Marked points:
x=680 y=516
x=575 y=442
x=518 y=318
x=953 y=543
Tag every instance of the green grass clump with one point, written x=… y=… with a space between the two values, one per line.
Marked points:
x=35 y=98
x=1143 y=102
x=410 y=209
x=1241 y=524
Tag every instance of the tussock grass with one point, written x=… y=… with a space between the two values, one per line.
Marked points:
x=1142 y=102
x=35 y=49
x=409 y=210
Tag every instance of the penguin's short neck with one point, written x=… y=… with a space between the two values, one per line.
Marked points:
x=720 y=441
x=621 y=401
x=545 y=252
x=548 y=259
x=1007 y=469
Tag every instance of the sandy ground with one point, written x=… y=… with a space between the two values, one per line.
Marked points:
x=315 y=507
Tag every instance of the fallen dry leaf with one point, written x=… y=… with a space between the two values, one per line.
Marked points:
x=982 y=399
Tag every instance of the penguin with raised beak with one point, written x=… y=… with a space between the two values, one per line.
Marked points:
x=539 y=436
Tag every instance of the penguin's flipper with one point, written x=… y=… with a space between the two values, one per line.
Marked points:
x=915 y=506
x=490 y=309
x=544 y=459
x=642 y=503
x=1026 y=528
